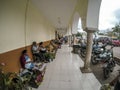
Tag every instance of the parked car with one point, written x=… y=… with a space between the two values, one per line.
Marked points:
x=100 y=39
x=104 y=40
x=115 y=42
x=107 y=41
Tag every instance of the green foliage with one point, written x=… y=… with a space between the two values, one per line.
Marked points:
x=2 y=83
x=119 y=37
x=101 y=33
x=117 y=29
x=50 y=55
x=14 y=81
x=79 y=34
x=105 y=87
x=10 y=81
x=110 y=33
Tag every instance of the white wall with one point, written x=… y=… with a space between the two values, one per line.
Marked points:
x=38 y=28
x=12 y=22
x=75 y=23
x=69 y=30
x=93 y=13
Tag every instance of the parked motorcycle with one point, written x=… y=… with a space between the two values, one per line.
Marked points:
x=109 y=65
x=83 y=50
x=113 y=85
x=117 y=82
x=100 y=54
x=96 y=48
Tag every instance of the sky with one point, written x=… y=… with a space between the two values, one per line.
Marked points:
x=109 y=14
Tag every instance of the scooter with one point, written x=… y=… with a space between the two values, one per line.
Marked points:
x=113 y=85
x=94 y=48
x=108 y=67
x=83 y=50
x=117 y=84
x=99 y=54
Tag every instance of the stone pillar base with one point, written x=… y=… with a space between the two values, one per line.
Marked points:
x=85 y=70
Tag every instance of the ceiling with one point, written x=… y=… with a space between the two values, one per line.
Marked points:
x=58 y=12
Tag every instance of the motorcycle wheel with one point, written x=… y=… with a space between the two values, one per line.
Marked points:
x=113 y=63
x=111 y=70
x=106 y=73
x=93 y=60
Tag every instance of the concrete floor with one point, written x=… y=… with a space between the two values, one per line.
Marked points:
x=64 y=73
x=98 y=70
x=116 y=51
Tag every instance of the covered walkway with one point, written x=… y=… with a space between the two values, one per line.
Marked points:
x=64 y=73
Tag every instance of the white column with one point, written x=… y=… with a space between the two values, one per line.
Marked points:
x=86 y=68
x=69 y=40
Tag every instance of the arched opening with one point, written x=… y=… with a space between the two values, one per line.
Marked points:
x=77 y=29
x=80 y=30
x=80 y=26
x=75 y=23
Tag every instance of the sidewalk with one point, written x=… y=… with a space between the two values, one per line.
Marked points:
x=116 y=51
x=64 y=73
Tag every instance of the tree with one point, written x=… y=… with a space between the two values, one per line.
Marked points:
x=116 y=29
x=110 y=33
x=79 y=34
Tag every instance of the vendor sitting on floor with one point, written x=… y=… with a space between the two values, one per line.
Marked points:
x=43 y=51
x=35 y=51
x=25 y=61
x=42 y=48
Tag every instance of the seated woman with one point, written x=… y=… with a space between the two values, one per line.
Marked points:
x=25 y=61
x=42 y=48
x=35 y=50
x=43 y=52
x=37 y=70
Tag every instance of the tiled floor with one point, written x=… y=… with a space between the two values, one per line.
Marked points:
x=64 y=73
